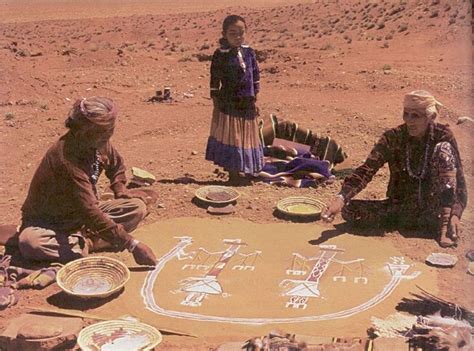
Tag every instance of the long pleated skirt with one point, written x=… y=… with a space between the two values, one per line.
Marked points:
x=234 y=143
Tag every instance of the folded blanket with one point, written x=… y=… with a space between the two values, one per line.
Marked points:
x=301 y=171
x=323 y=148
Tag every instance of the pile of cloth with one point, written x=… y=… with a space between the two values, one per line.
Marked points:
x=13 y=278
x=297 y=156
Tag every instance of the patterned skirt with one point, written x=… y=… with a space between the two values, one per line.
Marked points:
x=234 y=143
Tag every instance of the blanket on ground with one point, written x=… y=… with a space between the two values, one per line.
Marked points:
x=323 y=148
x=293 y=167
x=297 y=156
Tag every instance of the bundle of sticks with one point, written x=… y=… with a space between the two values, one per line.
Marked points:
x=426 y=303
x=441 y=325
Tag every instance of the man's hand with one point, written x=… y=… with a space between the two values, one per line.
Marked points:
x=143 y=255
x=454 y=228
x=332 y=209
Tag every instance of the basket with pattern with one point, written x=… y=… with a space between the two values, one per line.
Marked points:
x=93 y=277
x=119 y=335
x=216 y=194
x=300 y=206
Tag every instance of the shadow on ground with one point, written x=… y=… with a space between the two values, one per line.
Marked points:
x=348 y=229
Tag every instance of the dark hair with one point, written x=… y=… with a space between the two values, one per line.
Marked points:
x=230 y=20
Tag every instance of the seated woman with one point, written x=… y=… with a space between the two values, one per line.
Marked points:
x=62 y=218
x=426 y=187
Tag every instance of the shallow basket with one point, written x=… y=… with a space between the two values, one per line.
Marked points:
x=119 y=335
x=441 y=259
x=202 y=193
x=300 y=206
x=93 y=277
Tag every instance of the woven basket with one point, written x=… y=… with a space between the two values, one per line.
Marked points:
x=93 y=277
x=127 y=335
x=440 y=259
x=300 y=206
x=203 y=192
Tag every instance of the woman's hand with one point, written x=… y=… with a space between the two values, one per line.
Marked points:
x=334 y=208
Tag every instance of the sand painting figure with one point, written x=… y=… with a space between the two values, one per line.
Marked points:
x=198 y=288
x=301 y=290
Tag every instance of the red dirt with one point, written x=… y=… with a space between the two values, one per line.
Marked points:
x=338 y=68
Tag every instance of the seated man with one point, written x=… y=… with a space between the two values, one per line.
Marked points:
x=426 y=188
x=62 y=218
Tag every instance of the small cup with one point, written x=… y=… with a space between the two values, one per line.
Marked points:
x=167 y=93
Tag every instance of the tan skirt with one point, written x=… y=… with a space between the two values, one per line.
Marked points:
x=234 y=143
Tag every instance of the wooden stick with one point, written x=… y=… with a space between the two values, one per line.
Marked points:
x=80 y=314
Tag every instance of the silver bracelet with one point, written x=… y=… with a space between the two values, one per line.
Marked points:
x=133 y=245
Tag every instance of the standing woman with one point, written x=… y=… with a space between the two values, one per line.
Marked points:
x=234 y=142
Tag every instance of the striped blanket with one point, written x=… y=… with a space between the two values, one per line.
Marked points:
x=295 y=156
x=321 y=147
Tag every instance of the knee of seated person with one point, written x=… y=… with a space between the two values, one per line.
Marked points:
x=29 y=242
x=140 y=207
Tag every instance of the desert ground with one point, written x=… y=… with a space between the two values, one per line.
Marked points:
x=340 y=68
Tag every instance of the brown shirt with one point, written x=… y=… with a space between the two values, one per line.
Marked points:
x=62 y=194
x=402 y=188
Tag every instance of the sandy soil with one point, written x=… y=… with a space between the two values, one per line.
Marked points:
x=338 y=68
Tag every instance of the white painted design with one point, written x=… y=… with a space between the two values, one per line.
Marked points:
x=397 y=269
x=298 y=265
x=198 y=288
x=310 y=286
x=345 y=265
x=243 y=265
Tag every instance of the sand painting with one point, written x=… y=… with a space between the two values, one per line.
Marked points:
x=198 y=288
x=244 y=275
